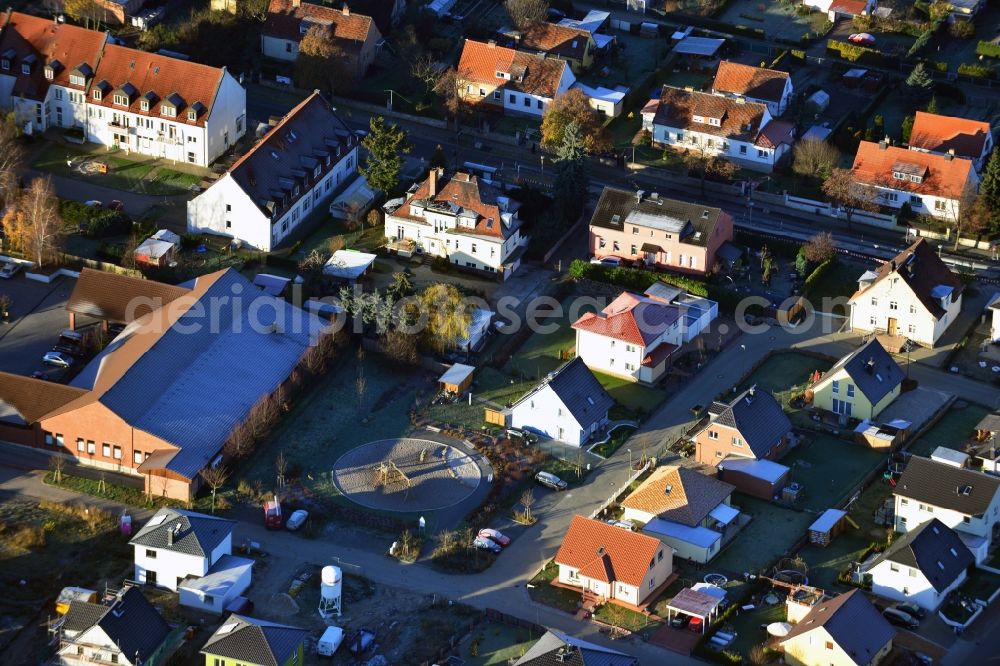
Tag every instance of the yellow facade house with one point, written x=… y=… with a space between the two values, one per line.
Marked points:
x=861 y=384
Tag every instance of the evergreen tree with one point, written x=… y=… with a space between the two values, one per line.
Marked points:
x=932 y=106
x=438 y=158
x=905 y=129
x=989 y=189
x=386 y=145
x=571 y=179
x=919 y=82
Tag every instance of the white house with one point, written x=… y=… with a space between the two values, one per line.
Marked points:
x=734 y=129
x=633 y=337
x=228 y=578
x=993 y=311
x=613 y=564
x=570 y=405
x=846 y=630
x=288 y=177
x=962 y=499
x=912 y=295
x=837 y=9
x=754 y=84
x=930 y=183
x=921 y=567
x=948 y=135
x=176 y=544
x=461 y=218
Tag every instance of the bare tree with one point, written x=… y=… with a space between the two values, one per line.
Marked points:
x=451 y=86
x=33 y=223
x=281 y=466
x=400 y=347
x=11 y=158
x=814 y=158
x=214 y=477
x=820 y=248
x=970 y=216
x=526 y=12
x=128 y=251
x=851 y=196
x=360 y=386
x=426 y=69
x=240 y=442
x=527 y=501
x=57 y=464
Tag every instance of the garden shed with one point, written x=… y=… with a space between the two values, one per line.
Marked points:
x=457 y=378
x=831 y=523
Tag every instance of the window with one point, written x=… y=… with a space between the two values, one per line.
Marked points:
x=97 y=94
x=25 y=68
x=893 y=305
x=150 y=553
x=829 y=645
x=635 y=230
x=497 y=95
x=482 y=93
x=58 y=94
x=743 y=149
x=850 y=390
x=527 y=101
x=79 y=445
x=713 y=434
x=874 y=302
x=926 y=508
x=915 y=201
x=137 y=457
x=911 y=328
x=761 y=153
x=872 y=321
x=652 y=581
x=116 y=452
x=48 y=438
x=615 y=247
x=737 y=441
x=106 y=450
x=913 y=309
x=209 y=599
x=633 y=249
x=59 y=439
x=966 y=519
x=168 y=111
x=5 y=64
x=836 y=386
x=91 y=447
x=659 y=556
x=940 y=205
x=539 y=103
x=151 y=577
x=120 y=100
x=912 y=572
x=601 y=243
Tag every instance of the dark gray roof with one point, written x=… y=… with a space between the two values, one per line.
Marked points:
x=852 y=622
x=990 y=423
x=198 y=535
x=83 y=615
x=131 y=622
x=578 y=653
x=759 y=419
x=252 y=641
x=942 y=485
x=580 y=392
x=693 y=223
x=872 y=370
x=935 y=549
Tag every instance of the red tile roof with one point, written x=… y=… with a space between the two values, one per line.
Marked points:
x=606 y=552
x=559 y=40
x=630 y=318
x=350 y=30
x=849 y=7
x=157 y=79
x=529 y=73
x=875 y=163
x=943 y=133
x=463 y=191
x=776 y=133
x=756 y=82
x=64 y=46
x=738 y=119
x=922 y=270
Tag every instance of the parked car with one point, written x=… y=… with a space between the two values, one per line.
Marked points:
x=910 y=609
x=862 y=38
x=523 y=435
x=900 y=619
x=624 y=524
x=551 y=481
x=486 y=544
x=71 y=350
x=297 y=519
x=272 y=514
x=93 y=203
x=608 y=261
x=58 y=359
x=494 y=536
x=9 y=269
x=695 y=625
x=679 y=621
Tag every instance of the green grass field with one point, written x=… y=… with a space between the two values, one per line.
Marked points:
x=770 y=536
x=954 y=428
x=831 y=291
x=784 y=370
x=829 y=469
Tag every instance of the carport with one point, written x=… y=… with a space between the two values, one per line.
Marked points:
x=696 y=604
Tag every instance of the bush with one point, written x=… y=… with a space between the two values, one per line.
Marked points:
x=28 y=537
x=962 y=30
x=810 y=282
x=633 y=279
x=107 y=223
x=976 y=71
x=988 y=49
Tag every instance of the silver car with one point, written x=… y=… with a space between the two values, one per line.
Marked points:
x=483 y=543
x=297 y=519
x=58 y=359
x=9 y=269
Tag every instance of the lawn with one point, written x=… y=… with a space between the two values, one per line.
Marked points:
x=636 y=58
x=783 y=371
x=747 y=625
x=687 y=79
x=951 y=431
x=625 y=618
x=981 y=584
x=496 y=643
x=778 y=20
x=829 y=468
x=837 y=283
x=489 y=384
x=770 y=536
x=956 y=52
x=618 y=438
x=541 y=591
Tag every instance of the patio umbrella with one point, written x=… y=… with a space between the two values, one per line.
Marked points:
x=779 y=629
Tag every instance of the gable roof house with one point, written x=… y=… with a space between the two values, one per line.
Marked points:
x=861 y=384
x=461 y=218
x=511 y=82
x=163 y=397
x=574 y=45
x=930 y=183
x=354 y=34
x=555 y=648
x=126 y=631
x=922 y=566
x=686 y=510
x=754 y=84
x=914 y=295
x=740 y=131
x=666 y=233
x=267 y=194
x=569 y=405
x=963 y=499
x=753 y=425
x=613 y=564
x=633 y=337
x=846 y=629
x=252 y=642
x=948 y=135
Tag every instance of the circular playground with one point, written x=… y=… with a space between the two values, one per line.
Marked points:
x=406 y=474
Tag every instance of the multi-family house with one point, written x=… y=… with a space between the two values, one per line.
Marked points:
x=846 y=630
x=922 y=566
x=289 y=176
x=507 y=81
x=461 y=218
x=569 y=405
x=929 y=183
x=753 y=425
x=734 y=129
x=963 y=499
x=613 y=564
x=861 y=384
x=574 y=45
x=754 y=84
x=248 y=641
x=663 y=233
x=633 y=337
x=914 y=295
x=288 y=21
x=685 y=509
x=948 y=135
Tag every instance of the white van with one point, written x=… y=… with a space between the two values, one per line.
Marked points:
x=330 y=641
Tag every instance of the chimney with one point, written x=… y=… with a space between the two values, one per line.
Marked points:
x=432 y=182
x=296 y=3
x=492 y=43
x=170 y=535
x=347 y=10
x=892 y=265
x=638 y=196
x=883 y=144
x=951 y=154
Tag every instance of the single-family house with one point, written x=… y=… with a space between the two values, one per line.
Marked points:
x=861 y=384
x=841 y=9
x=569 y=405
x=993 y=312
x=922 y=566
x=127 y=631
x=248 y=641
x=687 y=510
x=287 y=178
x=662 y=233
x=633 y=337
x=737 y=130
x=288 y=21
x=914 y=295
x=846 y=630
x=159 y=249
x=556 y=647
x=753 y=425
x=594 y=22
x=697 y=312
x=754 y=84
x=929 y=183
x=462 y=218
x=613 y=564
x=496 y=78
x=948 y=135
x=574 y=45
x=963 y=499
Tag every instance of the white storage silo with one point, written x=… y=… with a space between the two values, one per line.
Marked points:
x=331 y=581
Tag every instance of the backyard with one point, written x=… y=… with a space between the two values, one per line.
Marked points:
x=778 y=20
x=637 y=58
x=828 y=469
x=493 y=644
x=783 y=371
x=829 y=293
x=771 y=534
x=951 y=431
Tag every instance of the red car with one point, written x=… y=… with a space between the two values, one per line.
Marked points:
x=272 y=514
x=862 y=38
x=695 y=625
x=495 y=536
x=116 y=205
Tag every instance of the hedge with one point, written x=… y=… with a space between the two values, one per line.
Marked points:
x=855 y=53
x=818 y=272
x=988 y=49
x=977 y=71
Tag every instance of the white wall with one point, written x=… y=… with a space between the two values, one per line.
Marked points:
x=910 y=515
x=918 y=325
x=227 y=120
x=216 y=603
x=480 y=252
x=225 y=547
x=744 y=152
x=98 y=648
x=168 y=565
x=608 y=355
x=282 y=49
x=544 y=413
x=908 y=584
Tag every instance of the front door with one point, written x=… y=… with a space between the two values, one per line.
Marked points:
x=891 y=326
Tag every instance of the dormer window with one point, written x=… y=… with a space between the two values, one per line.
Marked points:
x=168 y=111
x=503 y=75
x=49 y=72
x=77 y=80
x=192 y=115
x=25 y=68
x=120 y=100
x=144 y=104
x=97 y=94
x=5 y=64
